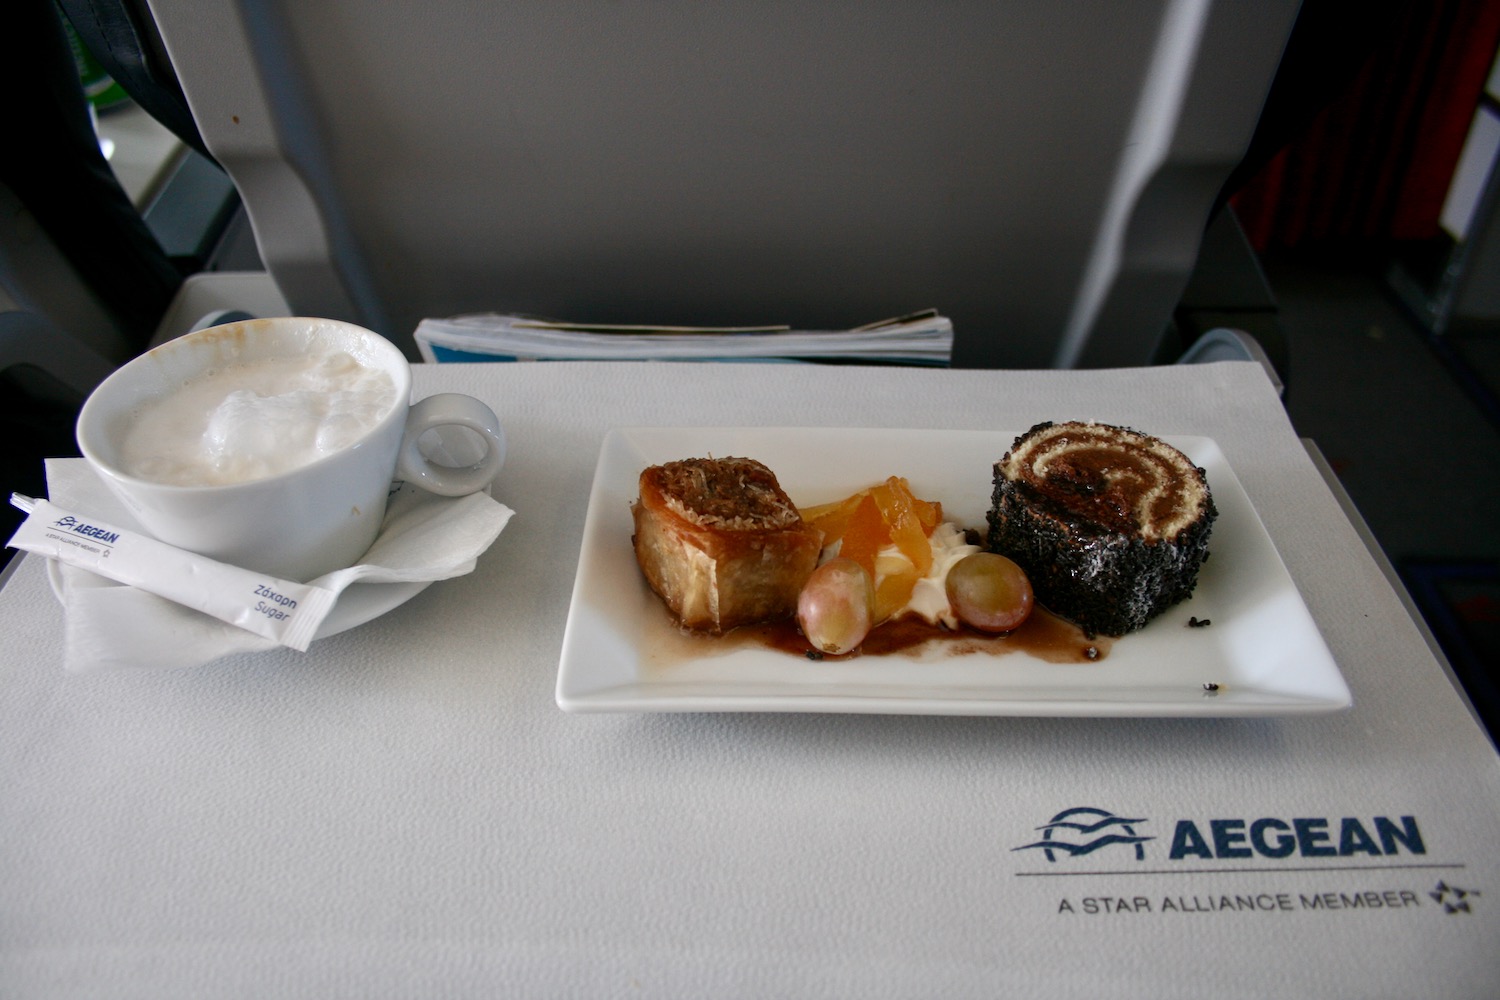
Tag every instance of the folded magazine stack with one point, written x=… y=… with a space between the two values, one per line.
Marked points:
x=923 y=338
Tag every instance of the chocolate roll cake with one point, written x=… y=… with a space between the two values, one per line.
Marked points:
x=1110 y=524
x=721 y=543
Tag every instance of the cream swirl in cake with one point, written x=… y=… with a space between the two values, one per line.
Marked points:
x=1111 y=525
x=1111 y=475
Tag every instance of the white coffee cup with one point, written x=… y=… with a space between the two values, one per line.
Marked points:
x=310 y=520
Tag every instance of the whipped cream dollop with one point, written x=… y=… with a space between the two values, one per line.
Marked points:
x=929 y=598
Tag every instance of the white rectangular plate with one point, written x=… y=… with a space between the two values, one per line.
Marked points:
x=621 y=652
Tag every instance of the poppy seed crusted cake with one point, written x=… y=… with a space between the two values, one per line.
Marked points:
x=721 y=543
x=1111 y=525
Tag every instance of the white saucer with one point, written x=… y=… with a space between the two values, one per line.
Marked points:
x=359 y=603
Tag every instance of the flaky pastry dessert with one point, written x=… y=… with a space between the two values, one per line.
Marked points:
x=721 y=543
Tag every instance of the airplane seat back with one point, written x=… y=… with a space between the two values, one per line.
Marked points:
x=1040 y=173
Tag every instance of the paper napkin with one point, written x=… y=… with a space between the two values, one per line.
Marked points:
x=108 y=626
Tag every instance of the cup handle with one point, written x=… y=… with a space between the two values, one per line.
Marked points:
x=442 y=410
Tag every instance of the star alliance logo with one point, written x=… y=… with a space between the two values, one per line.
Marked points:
x=1453 y=899
x=1084 y=830
x=1331 y=843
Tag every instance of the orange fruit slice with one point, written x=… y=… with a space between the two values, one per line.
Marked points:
x=868 y=521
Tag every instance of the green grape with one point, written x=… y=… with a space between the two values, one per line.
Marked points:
x=836 y=608
x=989 y=592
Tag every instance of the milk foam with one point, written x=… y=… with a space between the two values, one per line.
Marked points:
x=254 y=420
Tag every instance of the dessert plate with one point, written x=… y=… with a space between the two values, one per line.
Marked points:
x=1261 y=654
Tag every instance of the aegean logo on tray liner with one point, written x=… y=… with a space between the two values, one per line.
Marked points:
x=1087 y=841
x=1084 y=830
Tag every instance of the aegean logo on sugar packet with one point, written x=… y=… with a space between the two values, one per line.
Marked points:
x=74 y=526
x=1087 y=842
